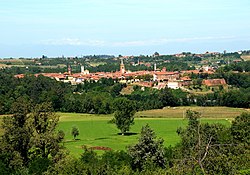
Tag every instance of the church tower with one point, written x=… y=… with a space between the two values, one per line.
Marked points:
x=82 y=70
x=155 y=67
x=69 y=70
x=122 y=67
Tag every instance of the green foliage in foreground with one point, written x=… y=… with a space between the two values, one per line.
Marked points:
x=203 y=148
x=147 y=150
x=30 y=138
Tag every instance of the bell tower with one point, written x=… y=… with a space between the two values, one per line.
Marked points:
x=69 y=70
x=122 y=67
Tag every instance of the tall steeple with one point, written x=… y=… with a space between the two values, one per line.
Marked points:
x=122 y=67
x=82 y=69
x=69 y=69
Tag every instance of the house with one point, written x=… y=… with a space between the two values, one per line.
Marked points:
x=185 y=81
x=214 y=82
x=165 y=76
x=174 y=85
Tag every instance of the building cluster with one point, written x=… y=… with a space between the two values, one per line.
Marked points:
x=158 y=79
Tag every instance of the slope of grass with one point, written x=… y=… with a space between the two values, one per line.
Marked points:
x=206 y=112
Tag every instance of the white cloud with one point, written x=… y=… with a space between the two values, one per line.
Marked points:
x=167 y=40
x=151 y=42
x=72 y=42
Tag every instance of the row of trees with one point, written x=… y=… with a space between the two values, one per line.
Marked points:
x=241 y=67
x=233 y=98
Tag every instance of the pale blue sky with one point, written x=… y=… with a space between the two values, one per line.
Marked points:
x=31 y=28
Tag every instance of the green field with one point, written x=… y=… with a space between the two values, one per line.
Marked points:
x=206 y=112
x=95 y=130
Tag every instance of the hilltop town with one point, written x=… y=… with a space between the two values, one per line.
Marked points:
x=152 y=70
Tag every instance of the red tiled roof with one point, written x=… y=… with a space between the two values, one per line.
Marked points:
x=166 y=73
x=19 y=76
x=186 y=78
x=214 y=82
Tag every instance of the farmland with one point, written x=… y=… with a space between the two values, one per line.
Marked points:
x=95 y=131
x=206 y=112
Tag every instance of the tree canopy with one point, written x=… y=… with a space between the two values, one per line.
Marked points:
x=148 y=150
x=124 y=114
x=30 y=133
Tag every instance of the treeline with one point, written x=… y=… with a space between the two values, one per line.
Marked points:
x=97 y=97
x=238 y=80
x=89 y=97
x=31 y=145
x=241 y=67
x=35 y=89
x=34 y=70
x=233 y=98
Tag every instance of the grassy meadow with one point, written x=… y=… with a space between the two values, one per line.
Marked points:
x=206 y=112
x=96 y=131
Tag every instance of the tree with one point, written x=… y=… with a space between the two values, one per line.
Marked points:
x=124 y=114
x=241 y=128
x=74 y=132
x=167 y=98
x=116 y=89
x=147 y=150
x=30 y=135
x=45 y=140
x=15 y=142
x=208 y=149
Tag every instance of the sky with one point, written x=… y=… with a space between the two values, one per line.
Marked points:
x=32 y=28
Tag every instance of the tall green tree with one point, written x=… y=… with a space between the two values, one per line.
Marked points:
x=124 y=114
x=45 y=139
x=30 y=135
x=167 y=98
x=148 y=150
x=17 y=136
x=241 y=128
